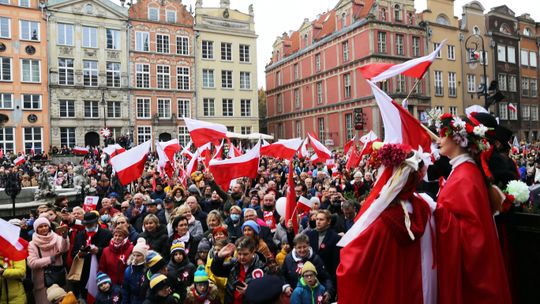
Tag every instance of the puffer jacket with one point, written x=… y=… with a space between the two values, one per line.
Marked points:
x=113 y=261
x=212 y=296
x=158 y=240
x=11 y=286
x=303 y=294
x=114 y=296
x=232 y=271
x=180 y=276
x=132 y=287
x=221 y=282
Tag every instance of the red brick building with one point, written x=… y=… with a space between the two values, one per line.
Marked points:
x=313 y=83
x=162 y=61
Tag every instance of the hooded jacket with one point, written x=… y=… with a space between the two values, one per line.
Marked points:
x=293 y=264
x=113 y=261
x=11 y=286
x=180 y=276
x=211 y=297
x=304 y=294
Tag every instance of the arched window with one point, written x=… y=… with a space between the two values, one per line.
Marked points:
x=397 y=13
x=476 y=30
x=442 y=19
x=305 y=40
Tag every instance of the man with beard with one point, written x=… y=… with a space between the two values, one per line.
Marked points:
x=268 y=213
x=237 y=196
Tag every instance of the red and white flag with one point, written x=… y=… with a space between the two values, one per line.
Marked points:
x=193 y=164
x=305 y=204
x=368 y=141
x=291 y=211
x=20 y=160
x=283 y=148
x=164 y=162
x=130 y=165
x=203 y=132
x=303 y=152
x=353 y=159
x=80 y=150
x=399 y=125
x=219 y=151
x=233 y=151
x=416 y=67
x=512 y=107
x=170 y=148
x=323 y=153
x=186 y=152
x=246 y=165
x=91 y=285
x=11 y=245
x=113 y=150
x=348 y=145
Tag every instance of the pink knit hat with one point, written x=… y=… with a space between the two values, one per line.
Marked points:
x=41 y=220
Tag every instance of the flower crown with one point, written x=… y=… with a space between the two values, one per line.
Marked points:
x=470 y=135
x=388 y=155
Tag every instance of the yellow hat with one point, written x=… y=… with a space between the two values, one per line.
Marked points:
x=308 y=266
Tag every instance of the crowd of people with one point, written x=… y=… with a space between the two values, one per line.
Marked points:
x=162 y=240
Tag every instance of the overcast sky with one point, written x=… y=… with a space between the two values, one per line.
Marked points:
x=273 y=17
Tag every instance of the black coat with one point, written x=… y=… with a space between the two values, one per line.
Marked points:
x=292 y=265
x=180 y=276
x=101 y=240
x=328 y=251
x=157 y=240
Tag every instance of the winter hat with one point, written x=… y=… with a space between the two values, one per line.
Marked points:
x=16 y=222
x=178 y=246
x=141 y=247
x=200 y=275
x=204 y=245
x=55 y=292
x=41 y=220
x=158 y=281
x=194 y=190
x=154 y=261
x=220 y=229
x=266 y=289
x=251 y=224
x=308 y=266
x=102 y=278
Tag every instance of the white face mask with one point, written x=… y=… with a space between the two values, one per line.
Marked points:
x=93 y=229
x=159 y=207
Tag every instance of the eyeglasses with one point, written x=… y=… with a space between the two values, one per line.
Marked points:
x=309 y=275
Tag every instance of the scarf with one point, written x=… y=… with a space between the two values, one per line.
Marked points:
x=45 y=242
x=184 y=239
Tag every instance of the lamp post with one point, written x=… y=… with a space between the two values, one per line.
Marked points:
x=104 y=104
x=473 y=44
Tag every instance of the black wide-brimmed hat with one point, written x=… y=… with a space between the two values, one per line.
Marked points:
x=90 y=218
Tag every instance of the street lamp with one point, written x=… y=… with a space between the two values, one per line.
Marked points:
x=472 y=45
x=104 y=104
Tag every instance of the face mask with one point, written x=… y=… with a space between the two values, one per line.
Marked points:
x=268 y=207
x=159 y=207
x=235 y=217
x=105 y=218
x=93 y=229
x=312 y=224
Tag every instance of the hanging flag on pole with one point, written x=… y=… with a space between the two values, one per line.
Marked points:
x=247 y=165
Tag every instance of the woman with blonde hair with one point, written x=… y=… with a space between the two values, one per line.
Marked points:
x=155 y=235
x=195 y=226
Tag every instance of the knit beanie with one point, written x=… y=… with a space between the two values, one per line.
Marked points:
x=158 y=281
x=308 y=266
x=41 y=220
x=251 y=224
x=55 y=292
x=200 y=275
x=141 y=247
x=204 y=245
x=154 y=261
x=102 y=278
x=178 y=246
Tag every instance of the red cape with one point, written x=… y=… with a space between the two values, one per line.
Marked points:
x=470 y=267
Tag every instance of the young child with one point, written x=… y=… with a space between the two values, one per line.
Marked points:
x=308 y=290
x=180 y=270
x=107 y=293
x=202 y=291
x=160 y=291
x=202 y=252
x=280 y=257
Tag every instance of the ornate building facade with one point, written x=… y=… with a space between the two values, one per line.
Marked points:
x=313 y=81
x=24 y=99
x=226 y=67
x=162 y=67
x=88 y=70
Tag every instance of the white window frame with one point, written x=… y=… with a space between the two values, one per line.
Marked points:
x=168 y=14
x=245 y=107
x=164 y=108
x=163 y=76
x=68 y=107
x=208 y=78
x=513 y=115
x=244 y=53
x=113 y=38
x=93 y=106
x=400 y=84
x=347 y=87
x=525 y=112
x=183 y=135
x=5 y=26
x=503 y=110
x=439 y=86
x=227 y=107
x=319 y=92
x=296 y=71
x=6 y=144
x=321 y=129
x=31 y=27
x=24 y=3
x=453 y=110
x=226 y=51
x=382 y=42
x=151 y=10
x=524 y=57
x=142 y=41
x=533 y=87
x=503 y=81
x=435 y=46
x=90 y=37
x=182 y=78
x=511 y=52
x=451 y=52
x=245 y=130
x=501 y=53
x=114 y=109
x=35 y=144
x=143 y=106
x=349 y=126
x=400 y=44
x=452 y=84
x=279 y=102
x=297 y=102
x=298 y=128
x=142 y=70
x=182 y=45
x=183 y=107
x=245 y=80
x=525 y=87
x=163 y=43
x=533 y=60
x=227 y=79
x=35 y=102
x=3 y=72
x=113 y=74
x=31 y=65
x=471 y=83
x=207 y=49
x=67 y=70
x=345 y=51
x=67 y=136
x=416 y=46
x=144 y=134
x=534 y=113
x=91 y=73
x=4 y=102
x=65 y=34
x=512 y=83
x=209 y=107
x=318 y=62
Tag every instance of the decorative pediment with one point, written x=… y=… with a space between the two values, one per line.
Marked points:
x=96 y=8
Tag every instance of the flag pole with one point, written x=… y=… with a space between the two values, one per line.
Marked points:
x=431 y=134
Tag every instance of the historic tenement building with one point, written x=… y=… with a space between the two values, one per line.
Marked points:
x=24 y=99
x=88 y=66
x=226 y=67
x=313 y=82
x=162 y=69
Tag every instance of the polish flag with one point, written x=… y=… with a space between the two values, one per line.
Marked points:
x=164 y=162
x=368 y=141
x=512 y=107
x=416 y=67
x=304 y=204
x=20 y=160
x=303 y=152
x=91 y=285
x=219 y=151
x=113 y=150
x=186 y=152
x=246 y=165
x=80 y=150
x=399 y=125
x=170 y=148
x=283 y=148
x=291 y=210
x=353 y=159
x=193 y=164
x=11 y=245
x=321 y=151
x=233 y=151
x=203 y=132
x=348 y=145
x=130 y=165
